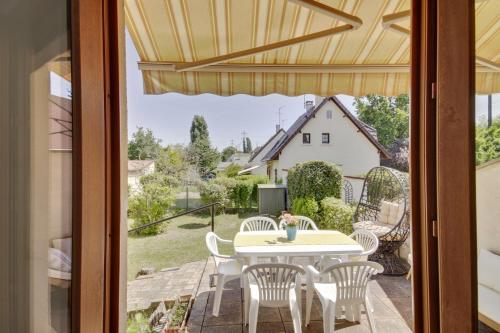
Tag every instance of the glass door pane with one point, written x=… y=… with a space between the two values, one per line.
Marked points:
x=487 y=144
x=36 y=166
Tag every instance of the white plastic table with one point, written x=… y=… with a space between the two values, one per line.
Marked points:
x=295 y=250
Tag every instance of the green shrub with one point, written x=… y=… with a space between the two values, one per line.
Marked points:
x=161 y=179
x=314 y=179
x=241 y=194
x=255 y=180
x=149 y=204
x=487 y=142
x=232 y=170
x=335 y=215
x=213 y=192
x=305 y=207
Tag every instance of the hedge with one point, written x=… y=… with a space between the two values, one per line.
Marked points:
x=305 y=207
x=240 y=192
x=314 y=179
x=336 y=215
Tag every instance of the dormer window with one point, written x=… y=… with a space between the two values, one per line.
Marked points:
x=306 y=138
x=325 y=138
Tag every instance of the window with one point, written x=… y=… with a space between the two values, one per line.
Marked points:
x=325 y=138
x=306 y=137
x=328 y=114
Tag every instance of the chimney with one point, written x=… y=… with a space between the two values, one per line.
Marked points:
x=277 y=128
x=309 y=105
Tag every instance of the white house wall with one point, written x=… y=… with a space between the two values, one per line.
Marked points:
x=348 y=148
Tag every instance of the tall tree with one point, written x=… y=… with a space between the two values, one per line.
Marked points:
x=388 y=115
x=144 y=145
x=203 y=157
x=227 y=153
x=200 y=153
x=248 y=145
x=199 y=129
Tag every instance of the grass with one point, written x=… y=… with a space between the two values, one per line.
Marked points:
x=182 y=241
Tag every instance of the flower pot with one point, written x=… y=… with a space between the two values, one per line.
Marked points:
x=291 y=232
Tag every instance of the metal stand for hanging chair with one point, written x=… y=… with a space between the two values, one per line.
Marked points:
x=382 y=183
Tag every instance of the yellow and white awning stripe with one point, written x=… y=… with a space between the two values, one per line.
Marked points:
x=228 y=47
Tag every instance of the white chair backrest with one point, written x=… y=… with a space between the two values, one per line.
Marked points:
x=368 y=240
x=211 y=240
x=258 y=223
x=305 y=223
x=274 y=280
x=351 y=279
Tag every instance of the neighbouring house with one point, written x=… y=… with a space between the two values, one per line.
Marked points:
x=237 y=158
x=137 y=169
x=327 y=132
x=255 y=164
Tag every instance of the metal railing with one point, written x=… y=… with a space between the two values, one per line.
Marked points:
x=211 y=206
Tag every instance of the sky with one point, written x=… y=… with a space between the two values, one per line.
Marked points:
x=169 y=115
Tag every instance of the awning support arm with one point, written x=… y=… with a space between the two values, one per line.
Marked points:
x=316 y=6
x=261 y=49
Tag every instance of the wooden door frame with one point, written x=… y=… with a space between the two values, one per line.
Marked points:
x=437 y=304
x=96 y=92
x=455 y=157
x=442 y=166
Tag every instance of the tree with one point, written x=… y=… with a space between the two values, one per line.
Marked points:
x=388 y=115
x=487 y=142
x=144 y=145
x=227 y=153
x=199 y=129
x=200 y=154
x=247 y=145
x=172 y=161
x=203 y=157
x=150 y=203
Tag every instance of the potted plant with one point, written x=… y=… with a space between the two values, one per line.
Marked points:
x=291 y=225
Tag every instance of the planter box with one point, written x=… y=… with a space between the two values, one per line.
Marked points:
x=182 y=327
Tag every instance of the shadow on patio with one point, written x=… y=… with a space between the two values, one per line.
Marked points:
x=391 y=298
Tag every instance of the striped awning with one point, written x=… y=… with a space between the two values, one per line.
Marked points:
x=290 y=47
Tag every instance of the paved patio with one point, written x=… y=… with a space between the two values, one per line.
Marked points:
x=391 y=298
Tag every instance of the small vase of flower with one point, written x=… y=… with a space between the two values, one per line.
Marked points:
x=291 y=225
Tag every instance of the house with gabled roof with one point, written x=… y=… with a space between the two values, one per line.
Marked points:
x=327 y=132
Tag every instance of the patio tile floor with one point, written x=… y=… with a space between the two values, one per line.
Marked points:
x=391 y=298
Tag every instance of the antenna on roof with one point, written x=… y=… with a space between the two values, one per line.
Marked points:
x=278 y=126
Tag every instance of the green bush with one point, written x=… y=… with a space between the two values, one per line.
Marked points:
x=305 y=207
x=161 y=179
x=336 y=215
x=255 y=180
x=487 y=142
x=213 y=192
x=241 y=194
x=232 y=170
x=314 y=179
x=149 y=204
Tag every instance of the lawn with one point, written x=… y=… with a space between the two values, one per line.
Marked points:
x=182 y=241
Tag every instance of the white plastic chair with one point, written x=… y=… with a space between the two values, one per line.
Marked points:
x=272 y=285
x=258 y=223
x=341 y=285
x=305 y=223
x=368 y=240
x=228 y=267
